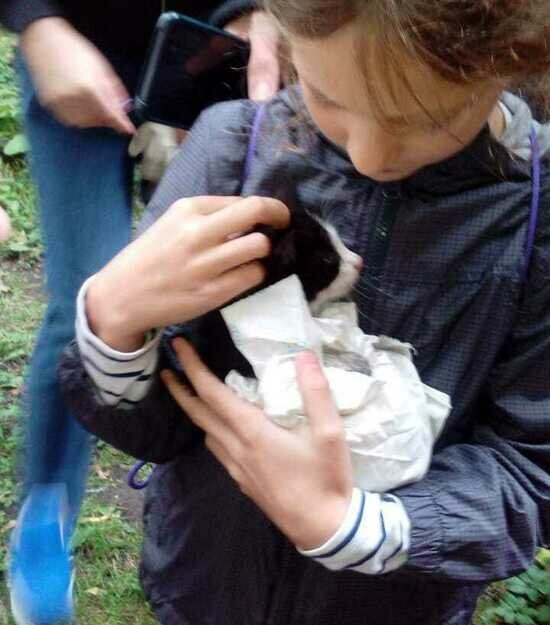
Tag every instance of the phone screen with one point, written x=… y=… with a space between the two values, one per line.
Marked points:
x=190 y=66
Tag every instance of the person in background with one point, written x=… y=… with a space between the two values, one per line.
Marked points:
x=77 y=67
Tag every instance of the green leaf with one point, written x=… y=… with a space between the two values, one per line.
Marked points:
x=543 y=614
x=533 y=595
x=81 y=536
x=544 y=557
x=536 y=575
x=517 y=586
x=16 y=145
x=506 y=614
x=17 y=247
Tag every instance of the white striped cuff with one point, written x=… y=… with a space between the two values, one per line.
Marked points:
x=373 y=538
x=118 y=376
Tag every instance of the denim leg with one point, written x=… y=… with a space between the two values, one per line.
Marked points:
x=83 y=181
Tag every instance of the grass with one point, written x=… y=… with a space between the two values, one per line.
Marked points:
x=20 y=310
x=107 y=542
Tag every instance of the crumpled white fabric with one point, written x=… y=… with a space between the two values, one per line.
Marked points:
x=158 y=144
x=391 y=419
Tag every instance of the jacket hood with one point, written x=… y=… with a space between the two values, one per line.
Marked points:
x=517 y=135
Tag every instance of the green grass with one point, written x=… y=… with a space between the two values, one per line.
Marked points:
x=107 y=543
x=20 y=311
x=16 y=192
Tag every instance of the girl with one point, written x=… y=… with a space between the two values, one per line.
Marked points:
x=432 y=170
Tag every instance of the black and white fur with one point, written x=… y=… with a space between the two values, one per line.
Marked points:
x=312 y=249
x=309 y=248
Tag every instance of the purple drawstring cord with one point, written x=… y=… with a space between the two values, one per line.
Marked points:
x=253 y=142
x=535 y=201
x=132 y=477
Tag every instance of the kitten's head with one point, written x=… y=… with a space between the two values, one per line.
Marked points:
x=312 y=249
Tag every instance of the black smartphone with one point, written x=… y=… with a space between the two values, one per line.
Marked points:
x=190 y=65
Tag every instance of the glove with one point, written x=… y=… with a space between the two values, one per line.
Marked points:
x=157 y=144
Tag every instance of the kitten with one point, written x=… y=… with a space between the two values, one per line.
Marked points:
x=309 y=248
x=313 y=250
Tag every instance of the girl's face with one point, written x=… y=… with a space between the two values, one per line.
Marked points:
x=411 y=135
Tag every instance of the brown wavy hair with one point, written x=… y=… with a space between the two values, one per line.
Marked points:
x=461 y=41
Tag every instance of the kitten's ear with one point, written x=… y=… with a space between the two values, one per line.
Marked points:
x=286 y=195
x=282 y=261
x=278 y=183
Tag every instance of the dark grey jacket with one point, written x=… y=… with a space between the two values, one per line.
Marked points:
x=444 y=260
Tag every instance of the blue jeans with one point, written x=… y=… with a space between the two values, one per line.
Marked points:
x=84 y=181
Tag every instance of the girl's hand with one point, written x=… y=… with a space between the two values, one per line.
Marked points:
x=301 y=479
x=73 y=79
x=191 y=261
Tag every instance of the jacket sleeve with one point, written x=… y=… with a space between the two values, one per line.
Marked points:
x=155 y=428
x=16 y=15
x=484 y=507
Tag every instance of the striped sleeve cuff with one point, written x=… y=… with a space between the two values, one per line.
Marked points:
x=119 y=377
x=373 y=539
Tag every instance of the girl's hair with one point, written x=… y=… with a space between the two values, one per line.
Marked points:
x=461 y=41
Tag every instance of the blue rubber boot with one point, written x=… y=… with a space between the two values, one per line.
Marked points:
x=40 y=570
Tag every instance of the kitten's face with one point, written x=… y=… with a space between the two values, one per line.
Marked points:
x=313 y=251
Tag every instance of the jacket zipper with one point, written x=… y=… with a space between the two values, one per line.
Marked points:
x=378 y=243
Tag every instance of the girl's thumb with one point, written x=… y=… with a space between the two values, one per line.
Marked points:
x=317 y=398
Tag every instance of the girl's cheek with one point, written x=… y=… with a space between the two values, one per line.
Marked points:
x=329 y=124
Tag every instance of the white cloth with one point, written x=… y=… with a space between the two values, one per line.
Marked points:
x=391 y=419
